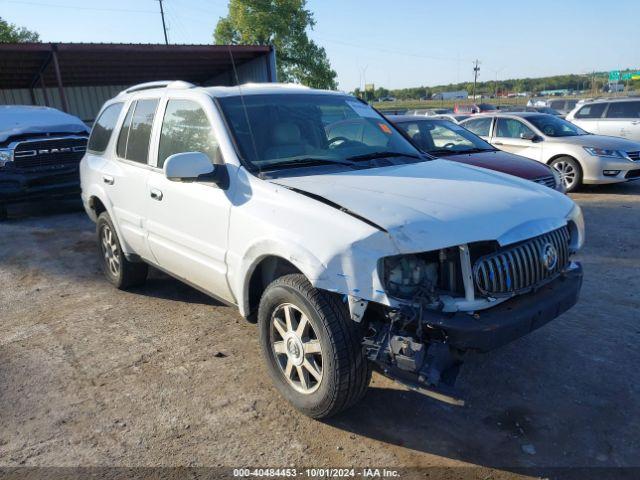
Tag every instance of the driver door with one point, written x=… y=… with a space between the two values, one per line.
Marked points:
x=188 y=221
x=507 y=136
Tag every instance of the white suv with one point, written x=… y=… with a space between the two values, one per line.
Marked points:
x=351 y=250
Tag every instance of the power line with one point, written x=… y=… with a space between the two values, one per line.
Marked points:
x=75 y=7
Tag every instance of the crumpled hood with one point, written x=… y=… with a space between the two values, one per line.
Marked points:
x=600 y=141
x=436 y=204
x=22 y=119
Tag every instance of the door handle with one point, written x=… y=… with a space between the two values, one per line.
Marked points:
x=108 y=179
x=498 y=143
x=156 y=194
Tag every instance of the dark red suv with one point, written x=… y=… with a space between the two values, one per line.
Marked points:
x=445 y=139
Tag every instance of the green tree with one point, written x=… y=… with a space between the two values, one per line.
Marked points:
x=10 y=33
x=284 y=24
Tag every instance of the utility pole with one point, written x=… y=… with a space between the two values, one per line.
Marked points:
x=476 y=69
x=164 y=25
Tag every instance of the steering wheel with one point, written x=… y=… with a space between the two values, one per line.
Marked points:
x=337 y=142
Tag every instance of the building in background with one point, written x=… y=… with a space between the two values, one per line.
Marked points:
x=459 y=95
x=79 y=77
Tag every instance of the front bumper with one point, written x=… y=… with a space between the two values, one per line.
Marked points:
x=19 y=186
x=489 y=329
x=594 y=168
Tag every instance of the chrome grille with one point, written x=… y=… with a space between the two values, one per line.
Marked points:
x=522 y=266
x=549 y=181
x=46 y=153
x=635 y=156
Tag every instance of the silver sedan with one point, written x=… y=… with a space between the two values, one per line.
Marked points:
x=579 y=157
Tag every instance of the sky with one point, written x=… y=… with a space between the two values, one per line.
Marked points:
x=390 y=44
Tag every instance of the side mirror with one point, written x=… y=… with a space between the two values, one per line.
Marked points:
x=530 y=136
x=188 y=166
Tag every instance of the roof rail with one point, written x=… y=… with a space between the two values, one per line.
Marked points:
x=158 y=84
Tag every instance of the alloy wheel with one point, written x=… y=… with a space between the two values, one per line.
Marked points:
x=568 y=173
x=110 y=250
x=296 y=348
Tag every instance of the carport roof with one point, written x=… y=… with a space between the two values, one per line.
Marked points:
x=84 y=64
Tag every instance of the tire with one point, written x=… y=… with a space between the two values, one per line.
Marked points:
x=344 y=371
x=570 y=172
x=119 y=271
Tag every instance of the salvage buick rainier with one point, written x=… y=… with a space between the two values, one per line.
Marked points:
x=352 y=251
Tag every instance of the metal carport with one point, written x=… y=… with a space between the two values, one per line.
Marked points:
x=79 y=77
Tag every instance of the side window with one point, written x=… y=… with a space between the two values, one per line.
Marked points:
x=185 y=128
x=135 y=135
x=103 y=128
x=479 y=126
x=629 y=110
x=591 y=111
x=511 y=128
x=557 y=104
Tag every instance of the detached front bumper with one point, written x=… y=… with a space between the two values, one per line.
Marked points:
x=491 y=328
x=19 y=186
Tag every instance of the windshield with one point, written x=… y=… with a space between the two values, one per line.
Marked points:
x=442 y=137
x=553 y=126
x=292 y=130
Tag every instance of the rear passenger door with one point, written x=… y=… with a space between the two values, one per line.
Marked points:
x=622 y=119
x=188 y=222
x=125 y=178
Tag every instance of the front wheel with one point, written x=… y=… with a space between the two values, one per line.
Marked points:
x=570 y=172
x=312 y=348
x=119 y=271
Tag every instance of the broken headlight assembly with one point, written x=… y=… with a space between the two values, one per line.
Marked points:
x=421 y=276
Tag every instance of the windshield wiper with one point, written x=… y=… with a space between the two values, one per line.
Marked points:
x=374 y=155
x=297 y=162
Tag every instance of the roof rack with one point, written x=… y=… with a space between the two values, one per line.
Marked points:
x=158 y=84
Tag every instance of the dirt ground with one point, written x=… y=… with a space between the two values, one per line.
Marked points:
x=165 y=376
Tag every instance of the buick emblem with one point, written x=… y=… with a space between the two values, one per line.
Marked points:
x=549 y=256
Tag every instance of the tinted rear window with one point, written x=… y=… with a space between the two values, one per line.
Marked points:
x=624 y=110
x=103 y=128
x=135 y=136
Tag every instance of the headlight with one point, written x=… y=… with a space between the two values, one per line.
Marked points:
x=6 y=156
x=559 y=186
x=575 y=220
x=404 y=275
x=604 y=152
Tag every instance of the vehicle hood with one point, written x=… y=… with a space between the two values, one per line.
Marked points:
x=436 y=204
x=21 y=119
x=504 y=162
x=601 y=141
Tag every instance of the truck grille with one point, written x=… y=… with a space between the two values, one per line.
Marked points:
x=549 y=181
x=635 y=156
x=524 y=265
x=47 y=153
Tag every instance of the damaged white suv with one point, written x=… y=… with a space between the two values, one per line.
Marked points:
x=316 y=217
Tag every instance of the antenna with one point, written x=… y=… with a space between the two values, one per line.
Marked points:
x=244 y=106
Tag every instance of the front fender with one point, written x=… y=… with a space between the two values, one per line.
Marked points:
x=245 y=264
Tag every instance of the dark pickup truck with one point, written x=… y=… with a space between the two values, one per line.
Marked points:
x=40 y=150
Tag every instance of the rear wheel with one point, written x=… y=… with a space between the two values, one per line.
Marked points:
x=570 y=172
x=312 y=347
x=119 y=271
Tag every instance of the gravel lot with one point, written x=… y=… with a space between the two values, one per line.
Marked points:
x=165 y=376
